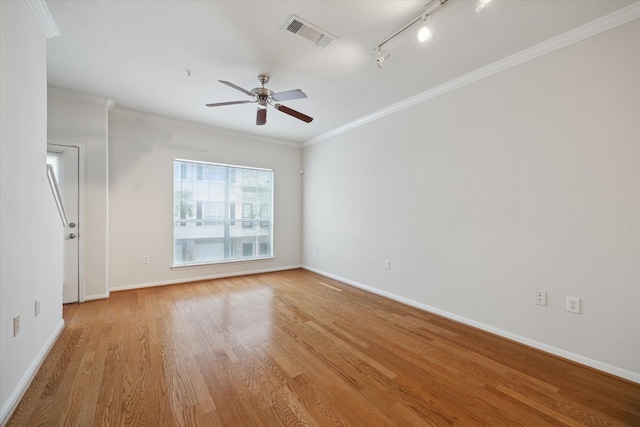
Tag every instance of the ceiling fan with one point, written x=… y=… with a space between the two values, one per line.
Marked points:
x=264 y=96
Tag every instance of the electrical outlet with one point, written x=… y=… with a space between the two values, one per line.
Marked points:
x=16 y=325
x=573 y=305
x=540 y=297
x=387 y=264
x=37 y=307
x=145 y=259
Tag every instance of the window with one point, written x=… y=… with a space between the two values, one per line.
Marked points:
x=221 y=213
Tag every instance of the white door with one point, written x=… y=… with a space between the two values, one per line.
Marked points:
x=65 y=162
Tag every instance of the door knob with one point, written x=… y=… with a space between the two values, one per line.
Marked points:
x=72 y=236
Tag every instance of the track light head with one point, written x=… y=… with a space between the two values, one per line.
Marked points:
x=381 y=56
x=481 y=5
x=425 y=32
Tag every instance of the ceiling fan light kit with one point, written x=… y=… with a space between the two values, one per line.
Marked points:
x=264 y=96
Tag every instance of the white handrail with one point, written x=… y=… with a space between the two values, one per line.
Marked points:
x=56 y=194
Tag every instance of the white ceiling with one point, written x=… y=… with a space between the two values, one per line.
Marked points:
x=136 y=52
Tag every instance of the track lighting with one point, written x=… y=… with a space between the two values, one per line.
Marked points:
x=424 y=33
x=481 y=5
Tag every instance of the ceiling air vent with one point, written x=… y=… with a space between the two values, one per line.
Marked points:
x=309 y=32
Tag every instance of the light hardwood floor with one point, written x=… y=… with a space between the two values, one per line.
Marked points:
x=295 y=348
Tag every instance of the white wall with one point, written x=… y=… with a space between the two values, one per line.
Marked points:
x=30 y=228
x=141 y=153
x=82 y=120
x=529 y=179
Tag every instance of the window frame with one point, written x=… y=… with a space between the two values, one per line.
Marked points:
x=231 y=217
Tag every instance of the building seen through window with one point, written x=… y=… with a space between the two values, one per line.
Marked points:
x=221 y=213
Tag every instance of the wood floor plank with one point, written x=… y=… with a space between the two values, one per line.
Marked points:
x=338 y=385
x=321 y=403
x=217 y=369
x=295 y=348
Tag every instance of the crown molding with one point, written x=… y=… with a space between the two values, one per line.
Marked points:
x=576 y=35
x=43 y=16
x=81 y=97
x=150 y=118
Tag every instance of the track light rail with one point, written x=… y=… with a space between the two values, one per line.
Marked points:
x=426 y=11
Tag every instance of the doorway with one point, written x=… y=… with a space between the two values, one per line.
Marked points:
x=66 y=161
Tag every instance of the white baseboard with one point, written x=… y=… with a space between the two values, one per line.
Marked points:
x=196 y=279
x=14 y=398
x=94 y=297
x=601 y=366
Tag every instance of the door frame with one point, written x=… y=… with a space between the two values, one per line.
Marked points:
x=81 y=211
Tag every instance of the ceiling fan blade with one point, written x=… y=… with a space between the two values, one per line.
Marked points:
x=220 y=104
x=236 y=87
x=294 y=113
x=261 y=118
x=289 y=94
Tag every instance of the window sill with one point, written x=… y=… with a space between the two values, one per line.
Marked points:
x=216 y=263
